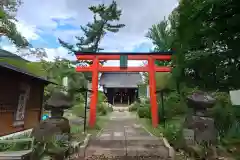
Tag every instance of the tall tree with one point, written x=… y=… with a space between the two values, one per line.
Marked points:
x=209 y=34
x=104 y=18
x=57 y=70
x=7 y=22
x=8 y=10
x=160 y=34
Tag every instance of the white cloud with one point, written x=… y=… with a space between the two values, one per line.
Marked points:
x=137 y=15
x=28 y=31
x=10 y=48
x=60 y=52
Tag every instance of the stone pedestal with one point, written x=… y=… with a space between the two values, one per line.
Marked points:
x=199 y=130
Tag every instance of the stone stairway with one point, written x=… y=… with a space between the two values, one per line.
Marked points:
x=123 y=139
x=120 y=107
x=115 y=149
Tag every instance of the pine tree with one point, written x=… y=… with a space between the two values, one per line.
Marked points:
x=7 y=25
x=104 y=16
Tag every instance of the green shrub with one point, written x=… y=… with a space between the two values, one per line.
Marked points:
x=223 y=118
x=173 y=134
x=223 y=113
x=15 y=146
x=78 y=110
x=134 y=106
x=101 y=97
x=173 y=106
x=102 y=109
x=234 y=132
x=144 y=112
x=144 y=109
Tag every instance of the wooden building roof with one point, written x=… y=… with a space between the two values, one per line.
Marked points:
x=120 y=79
x=12 y=68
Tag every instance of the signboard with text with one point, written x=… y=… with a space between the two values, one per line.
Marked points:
x=235 y=97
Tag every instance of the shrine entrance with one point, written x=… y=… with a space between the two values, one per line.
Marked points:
x=123 y=96
x=151 y=68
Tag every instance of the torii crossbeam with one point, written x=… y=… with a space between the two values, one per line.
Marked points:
x=151 y=68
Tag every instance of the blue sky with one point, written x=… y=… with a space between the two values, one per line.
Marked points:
x=43 y=22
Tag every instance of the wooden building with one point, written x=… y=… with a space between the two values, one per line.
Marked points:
x=21 y=98
x=120 y=87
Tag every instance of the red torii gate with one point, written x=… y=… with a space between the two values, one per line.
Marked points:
x=151 y=68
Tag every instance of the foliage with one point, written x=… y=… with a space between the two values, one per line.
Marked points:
x=205 y=37
x=196 y=29
x=161 y=36
x=78 y=110
x=202 y=33
x=55 y=148
x=144 y=110
x=233 y=134
x=162 y=80
x=104 y=16
x=101 y=97
x=173 y=134
x=134 y=107
x=15 y=146
x=7 y=21
x=8 y=9
x=173 y=106
x=102 y=108
x=59 y=69
x=142 y=90
x=224 y=114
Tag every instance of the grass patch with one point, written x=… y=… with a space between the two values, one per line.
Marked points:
x=77 y=130
x=159 y=131
x=170 y=132
x=100 y=123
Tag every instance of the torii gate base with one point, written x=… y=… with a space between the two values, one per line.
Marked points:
x=150 y=68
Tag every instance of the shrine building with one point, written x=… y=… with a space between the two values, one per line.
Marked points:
x=120 y=87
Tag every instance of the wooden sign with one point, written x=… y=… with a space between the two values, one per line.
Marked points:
x=123 y=61
x=22 y=102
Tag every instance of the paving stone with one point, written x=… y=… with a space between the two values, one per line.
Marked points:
x=118 y=134
x=123 y=138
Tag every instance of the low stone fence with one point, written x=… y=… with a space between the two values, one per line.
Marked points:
x=17 y=134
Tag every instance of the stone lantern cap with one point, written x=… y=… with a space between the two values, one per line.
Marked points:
x=200 y=100
x=58 y=100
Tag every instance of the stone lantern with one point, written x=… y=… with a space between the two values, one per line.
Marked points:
x=55 y=128
x=57 y=103
x=198 y=127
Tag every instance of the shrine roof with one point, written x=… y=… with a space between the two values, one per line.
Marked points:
x=120 y=79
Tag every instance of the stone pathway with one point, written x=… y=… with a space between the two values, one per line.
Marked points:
x=123 y=138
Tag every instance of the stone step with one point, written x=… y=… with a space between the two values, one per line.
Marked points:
x=159 y=152
x=107 y=143
x=123 y=158
x=145 y=143
x=123 y=143
x=129 y=152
